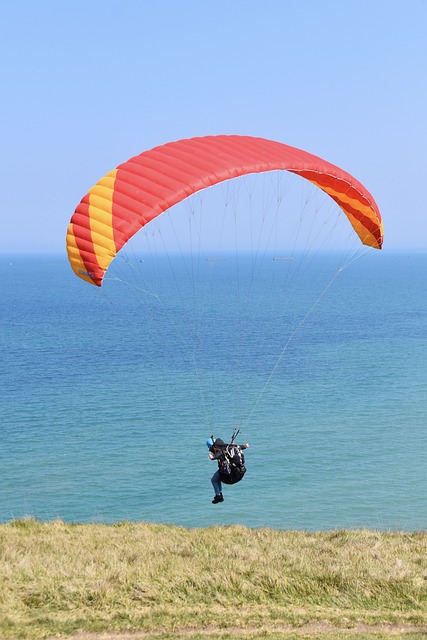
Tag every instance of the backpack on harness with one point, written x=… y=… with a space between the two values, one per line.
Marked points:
x=232 y=468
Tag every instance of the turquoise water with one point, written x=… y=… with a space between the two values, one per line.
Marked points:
x=107 y=399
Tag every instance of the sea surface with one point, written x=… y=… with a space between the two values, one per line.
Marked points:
x=107 y=398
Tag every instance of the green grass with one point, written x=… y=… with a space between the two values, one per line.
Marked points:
x=218 y=582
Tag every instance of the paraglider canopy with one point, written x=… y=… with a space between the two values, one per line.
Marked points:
x=139 y=190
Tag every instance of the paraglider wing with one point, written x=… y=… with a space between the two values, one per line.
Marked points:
x=129 y=197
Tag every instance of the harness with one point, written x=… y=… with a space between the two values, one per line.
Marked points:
x=232 y=461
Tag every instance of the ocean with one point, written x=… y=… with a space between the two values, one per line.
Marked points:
x=108 y=398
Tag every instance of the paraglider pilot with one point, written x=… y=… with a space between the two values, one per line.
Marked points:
x=231 y=464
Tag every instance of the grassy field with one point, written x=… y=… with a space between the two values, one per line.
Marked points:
x=146 y=580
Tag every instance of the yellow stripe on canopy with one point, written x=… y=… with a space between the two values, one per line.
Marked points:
x=101 y=219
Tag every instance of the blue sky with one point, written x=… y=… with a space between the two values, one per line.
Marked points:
x=87 y=84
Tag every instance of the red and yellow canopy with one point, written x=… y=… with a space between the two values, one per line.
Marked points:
x=129 y=197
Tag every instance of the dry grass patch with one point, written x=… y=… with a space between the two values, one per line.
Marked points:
x=57 y=578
